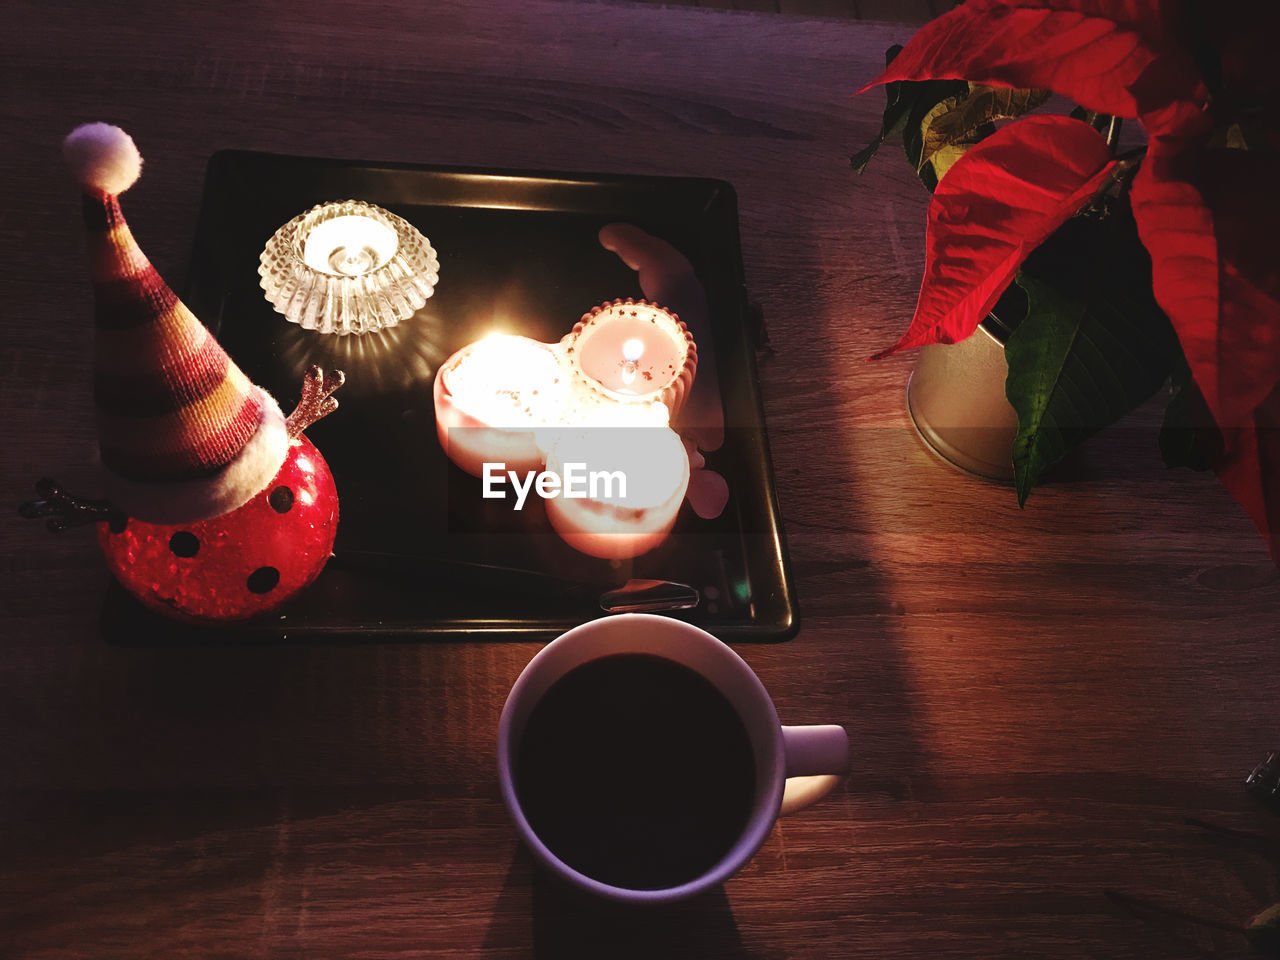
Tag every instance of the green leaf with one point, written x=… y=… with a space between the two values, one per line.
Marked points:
x=927 y=96
x=905 y=99
x=959 y=121
x=942 y=159
x=1263 y=932
x=895 y=115
x=863 y=157
x=1094 y=343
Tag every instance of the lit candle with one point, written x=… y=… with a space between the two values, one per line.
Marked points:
x=636 y=478
x=349 y=246
x=599 y=402
x=492 y=396
x=630 y=352
x=348 y=267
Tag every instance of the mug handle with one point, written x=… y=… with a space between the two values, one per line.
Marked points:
x=817 y=756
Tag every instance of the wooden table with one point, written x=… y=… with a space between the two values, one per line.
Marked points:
x=1052 y=709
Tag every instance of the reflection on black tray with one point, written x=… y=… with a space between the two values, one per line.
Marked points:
x=419 y=553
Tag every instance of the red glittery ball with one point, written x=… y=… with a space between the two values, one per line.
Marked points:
x=238 y=565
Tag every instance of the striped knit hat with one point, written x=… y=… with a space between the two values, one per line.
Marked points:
x=182 y=433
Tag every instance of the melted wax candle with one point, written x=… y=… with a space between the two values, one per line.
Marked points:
x=630 y=349
x=639 y=478
x=600 y=400
x=491 y=398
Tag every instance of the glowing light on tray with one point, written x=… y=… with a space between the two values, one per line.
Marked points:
x=626 y=364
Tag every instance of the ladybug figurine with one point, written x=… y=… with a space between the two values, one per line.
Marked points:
x=231 y=567
x=217 y=507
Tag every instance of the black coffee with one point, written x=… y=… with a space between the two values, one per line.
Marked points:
x=636 y=771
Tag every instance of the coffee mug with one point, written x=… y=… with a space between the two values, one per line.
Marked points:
x=643 y=761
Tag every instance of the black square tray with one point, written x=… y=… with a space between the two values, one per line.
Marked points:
x=418 y=556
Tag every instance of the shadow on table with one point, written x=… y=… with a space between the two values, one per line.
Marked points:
x=564 y=922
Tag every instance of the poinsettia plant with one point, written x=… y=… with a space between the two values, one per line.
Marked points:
x=1151 y=265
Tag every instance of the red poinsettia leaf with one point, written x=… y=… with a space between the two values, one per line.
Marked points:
x=999 y=202
x=1113 y=56
x=1251 y=470
x=1206 y=217
x=1245 y=207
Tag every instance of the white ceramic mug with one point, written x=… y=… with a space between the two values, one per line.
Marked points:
x=794 y=765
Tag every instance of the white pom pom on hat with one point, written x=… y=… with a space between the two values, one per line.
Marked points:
x=102 y=157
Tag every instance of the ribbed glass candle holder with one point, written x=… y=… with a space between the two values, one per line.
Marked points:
x=348 y=267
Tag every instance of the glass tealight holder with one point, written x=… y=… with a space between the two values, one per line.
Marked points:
x=348 y=267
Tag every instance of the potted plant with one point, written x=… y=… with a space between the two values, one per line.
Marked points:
x=1142 y=266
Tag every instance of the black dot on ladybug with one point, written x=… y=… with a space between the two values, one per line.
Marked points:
x=263 y=580
x=281 y=499
x=184 y=543
x=117 y=523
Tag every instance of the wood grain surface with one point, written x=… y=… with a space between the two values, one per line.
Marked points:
x=1052 y=710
